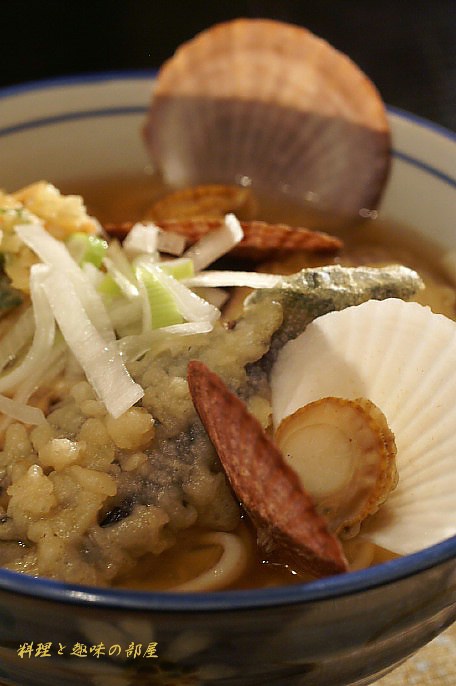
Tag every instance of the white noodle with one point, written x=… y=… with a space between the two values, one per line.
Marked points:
x=226 y=570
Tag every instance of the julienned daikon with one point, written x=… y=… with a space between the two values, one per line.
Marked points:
x=107 y=301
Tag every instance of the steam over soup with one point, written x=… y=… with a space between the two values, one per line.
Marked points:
x=107 y=474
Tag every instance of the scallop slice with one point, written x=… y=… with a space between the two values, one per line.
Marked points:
x=268 y=104
x=344 y=454
x=403 y=358
x=285 y=517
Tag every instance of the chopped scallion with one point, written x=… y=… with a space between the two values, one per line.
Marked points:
x=84 y=247
x=179 y=269
x=108 y=286
x=163 y=310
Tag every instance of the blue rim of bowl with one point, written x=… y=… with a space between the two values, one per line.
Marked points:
x=128 y=75
x=321 y=589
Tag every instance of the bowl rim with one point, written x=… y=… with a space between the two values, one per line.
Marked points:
x=327 y=588
x=77 y=79
x=137 y=74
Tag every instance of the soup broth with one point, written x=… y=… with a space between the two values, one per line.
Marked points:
x=370 y=243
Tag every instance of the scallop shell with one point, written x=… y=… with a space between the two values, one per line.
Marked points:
x=403 y=358
x=261 y=240
x=260 y=102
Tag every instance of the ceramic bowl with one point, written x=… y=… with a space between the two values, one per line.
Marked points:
x=350 y=629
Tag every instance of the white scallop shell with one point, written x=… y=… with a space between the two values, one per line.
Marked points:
x=269 y=103
x=403 y=358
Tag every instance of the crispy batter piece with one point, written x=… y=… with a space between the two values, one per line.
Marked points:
x=261 y=240
x=271 y=492
x=211 y=200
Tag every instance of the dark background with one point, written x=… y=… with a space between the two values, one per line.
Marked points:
x=406 y=47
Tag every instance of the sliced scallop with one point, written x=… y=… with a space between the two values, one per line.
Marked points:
x=402 y=357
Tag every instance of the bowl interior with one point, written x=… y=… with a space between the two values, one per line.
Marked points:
x=90 y=127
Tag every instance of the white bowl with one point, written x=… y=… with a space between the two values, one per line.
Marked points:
x=345 y=630
x=96 y=120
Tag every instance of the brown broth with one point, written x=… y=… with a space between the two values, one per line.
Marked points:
x=189 y=557
x=372 y=242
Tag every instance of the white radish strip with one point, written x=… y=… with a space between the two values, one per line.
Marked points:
x=54 y=253
x=225 y=571
x=171 y=243
x=52 y=367
x=145 y=308
x=99 y=359
x=17 y=337
x=126 y=286
x=187 y=329
x=120 y=260
x=146 y=239
x=215 y=243
x=225 y=279
x=94 y=275
x=142 y=239
x=125 y=312
x=215 y=296
x=133 y=347
x=44 y=332
x=20 y=411
x=191 y=307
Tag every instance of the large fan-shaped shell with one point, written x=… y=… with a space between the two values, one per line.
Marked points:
x=403 y=358
x=269 y=103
